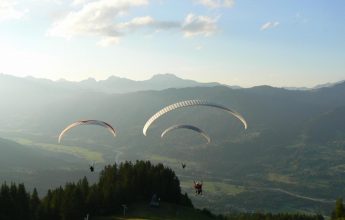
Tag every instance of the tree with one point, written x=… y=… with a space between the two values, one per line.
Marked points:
x=125 y=183
x=339 y=211
x=34 y=204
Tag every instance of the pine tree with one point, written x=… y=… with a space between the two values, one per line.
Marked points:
x=34 y=205
x=339 y=211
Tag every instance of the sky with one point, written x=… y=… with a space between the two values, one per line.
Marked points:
x=237 y=42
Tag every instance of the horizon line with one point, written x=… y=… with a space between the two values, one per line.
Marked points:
x=325 y=84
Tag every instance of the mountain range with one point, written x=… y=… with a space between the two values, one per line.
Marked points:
x=114 y=84
x=291 y=157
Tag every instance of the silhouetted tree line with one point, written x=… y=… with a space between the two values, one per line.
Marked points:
x=261 y=216
x=118 y=184
x=339 y=211
x=270 y=216
x=125 y=183
x=17 y=203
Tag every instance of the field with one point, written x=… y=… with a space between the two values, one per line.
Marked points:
x=165 y=211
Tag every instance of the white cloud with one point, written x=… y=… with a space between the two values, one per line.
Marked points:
x=217 y=3
x=94 y=18
x=9 y=11
x=194 y=25
x=136 y=23
x=79 y=2
x=101 y=18
x=107 y=41
x=269 y=25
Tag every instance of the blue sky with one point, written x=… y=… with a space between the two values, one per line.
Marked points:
x=237 y=42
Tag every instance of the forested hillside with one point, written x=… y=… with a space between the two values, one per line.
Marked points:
x=293 y=149
x=124 y=183
x=119 y=185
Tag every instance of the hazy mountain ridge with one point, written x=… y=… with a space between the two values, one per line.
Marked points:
x=112 y=84
x=279 y=149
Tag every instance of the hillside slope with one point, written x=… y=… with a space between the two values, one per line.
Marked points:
x=165 y=211
x=282 y=148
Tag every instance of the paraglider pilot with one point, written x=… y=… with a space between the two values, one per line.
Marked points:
x=198 y=187
x=92 y=167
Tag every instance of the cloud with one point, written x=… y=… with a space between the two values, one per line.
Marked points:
x=136 y=23
x=194 y=25
x=107 y=41
x=9 y=11
x=101 y=18
x=216 y=3
x=269 y=25
x=94 y=18
x=80 y=2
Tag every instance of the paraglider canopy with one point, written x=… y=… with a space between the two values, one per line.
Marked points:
x=190 y=127
x=190 y=103
x=88 y=122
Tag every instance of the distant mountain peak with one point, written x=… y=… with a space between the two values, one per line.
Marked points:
x=113 y=77
x=165 y=76
x=90 y=79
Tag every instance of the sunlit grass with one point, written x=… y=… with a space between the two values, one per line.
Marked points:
x=275 y=177
x=76 y=151
x=169 y=160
